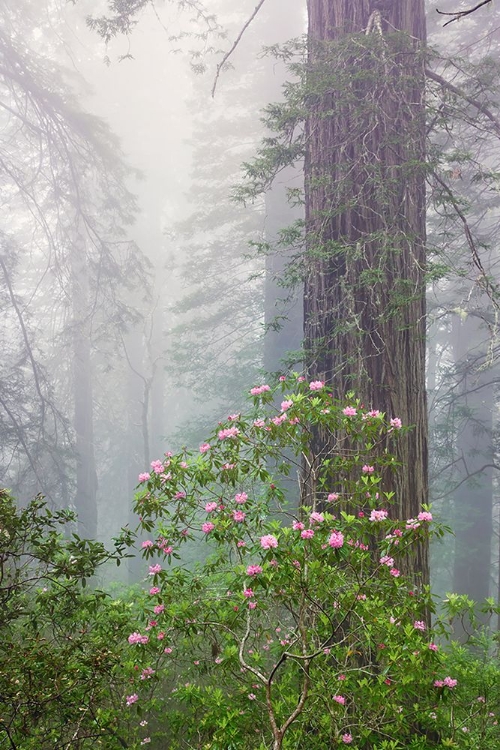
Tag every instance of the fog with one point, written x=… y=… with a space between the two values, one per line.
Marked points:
x=140 y=300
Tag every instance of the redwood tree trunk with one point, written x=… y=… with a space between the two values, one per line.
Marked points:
x=364 y=300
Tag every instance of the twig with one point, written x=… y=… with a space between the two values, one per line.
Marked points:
x=474 y=102
x=461 y=13
x=236 y=42
x=491 y=289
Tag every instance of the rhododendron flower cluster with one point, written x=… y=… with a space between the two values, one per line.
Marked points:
x=259 y=390
x=228 y=432
x=316 y=385
x=448 y=682
x=268 y=541
x=378 y=515
x=138 y=638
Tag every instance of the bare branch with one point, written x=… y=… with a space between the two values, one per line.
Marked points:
x=474 y=102
x=236 y=42
x=457 y=15
x=491 y=289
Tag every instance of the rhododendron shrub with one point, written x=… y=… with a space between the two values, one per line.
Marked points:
x=300 y=629
x=63 y=666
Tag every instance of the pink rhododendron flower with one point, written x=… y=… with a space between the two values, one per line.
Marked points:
x=412 y=523
x=241 y=498
x=316 y=385
x=259 y=389
x=368 y=469
x=378 y=515
x=209 y=507
x=248 y=593
x=158 y=468
x=297 y=526
x=131 y=699
x=167 y=650
x=419 y=625
x=154 y=569
x=316 y=517
x=395 y=572
x=241 y=543
x=339 y=699
x=349 y=411
x=347 y=738
x=433 y=646
x=137 y=638
x=229 y=432
x=144 y=477
x=154 y=590
x=424 y=516
x=254 y=570
x=336 y=539
x=332 y=497
x=180 y=495
x=252 y=605
x=251 y=696
x=147 y=544
x=238 y=516
x=307 y=534
x=233 y=417
x=396 y=423
x=447 y=682
x=208 y=527
x=386 y=560
x=268 y=541
x=204 y=447
x=159 y=609
x=147 y=673
x=279 y=420
x=286 y=405
x=259 y=423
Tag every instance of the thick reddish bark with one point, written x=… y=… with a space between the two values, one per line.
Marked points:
x=364 y=303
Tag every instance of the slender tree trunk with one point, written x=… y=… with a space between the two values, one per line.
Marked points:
x=282 y=305
x=364 y=298
x=473 y=498
x=86 y=475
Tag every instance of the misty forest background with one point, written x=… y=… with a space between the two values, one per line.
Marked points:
x=140 y=299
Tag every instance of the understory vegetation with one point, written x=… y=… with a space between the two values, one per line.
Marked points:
x=305 y=626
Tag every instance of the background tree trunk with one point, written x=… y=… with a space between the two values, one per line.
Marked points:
x=473 y=497
x=86 y=475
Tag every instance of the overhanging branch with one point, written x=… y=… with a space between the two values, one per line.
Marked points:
x=457 y=15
